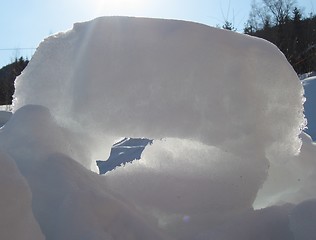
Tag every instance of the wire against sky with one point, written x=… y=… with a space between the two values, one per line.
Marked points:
x=13 y=49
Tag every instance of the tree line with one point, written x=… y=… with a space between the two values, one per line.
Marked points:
x=7 y=77
x=282 y=22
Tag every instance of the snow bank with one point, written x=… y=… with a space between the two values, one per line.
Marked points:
x=16 y=220
x=303 y=220
x=310 y=112
x=291 y=179
x=223 y=107
x=69 y=201
x=4 y=117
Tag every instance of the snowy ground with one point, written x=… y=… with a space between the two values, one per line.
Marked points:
x=226 y=113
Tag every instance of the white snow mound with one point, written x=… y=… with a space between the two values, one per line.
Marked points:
x=221 y=106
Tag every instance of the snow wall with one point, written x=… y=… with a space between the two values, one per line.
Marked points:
x=225 y=110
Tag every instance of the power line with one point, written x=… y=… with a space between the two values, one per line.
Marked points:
x=14 y=49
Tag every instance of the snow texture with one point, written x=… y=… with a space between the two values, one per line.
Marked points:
x=225 y=110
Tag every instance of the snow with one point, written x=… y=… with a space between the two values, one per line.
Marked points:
x=17 y=220
x=302 y=220
x=291 y=179
x=310 y=112
x=68 y=201
x=225 y=111
x=4 y=117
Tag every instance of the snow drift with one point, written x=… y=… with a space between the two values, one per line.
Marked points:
x=222 y=107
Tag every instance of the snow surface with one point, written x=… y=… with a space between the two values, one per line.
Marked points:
x=310 y=110
x=226 y=111
x=4 y=117
x=17 y=220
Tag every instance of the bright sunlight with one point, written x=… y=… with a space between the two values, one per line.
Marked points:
x=120 y=5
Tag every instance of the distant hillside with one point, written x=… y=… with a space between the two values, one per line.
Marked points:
x=296 y=38
x=7 y=78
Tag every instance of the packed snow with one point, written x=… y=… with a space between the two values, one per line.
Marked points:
x=225 y=111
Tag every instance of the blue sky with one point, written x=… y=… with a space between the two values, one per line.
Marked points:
x=24 y=24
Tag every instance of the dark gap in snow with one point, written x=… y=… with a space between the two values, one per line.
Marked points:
x=122 y=152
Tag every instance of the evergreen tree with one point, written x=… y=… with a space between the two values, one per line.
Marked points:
x=229 y=26
x=7 y=77
x=282 y=23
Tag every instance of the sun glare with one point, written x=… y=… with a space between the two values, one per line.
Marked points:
x=117 y=6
